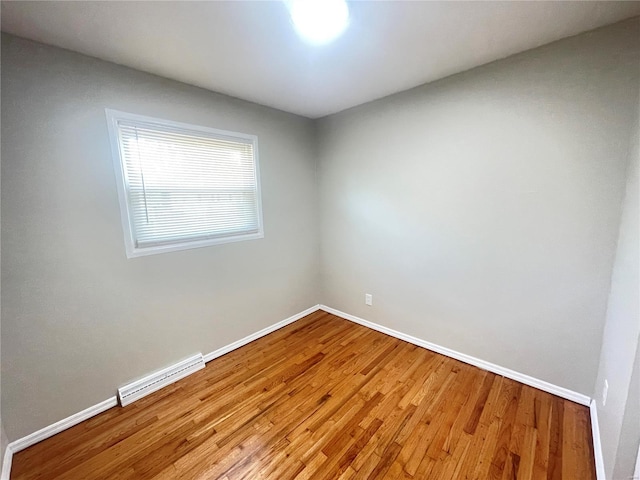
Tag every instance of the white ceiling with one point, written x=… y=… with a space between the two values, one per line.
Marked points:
x=249 y=49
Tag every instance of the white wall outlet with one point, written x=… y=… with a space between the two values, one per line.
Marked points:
x=605 y=391
x=368 y=299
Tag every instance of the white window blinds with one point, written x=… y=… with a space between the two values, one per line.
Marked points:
x=185 y=186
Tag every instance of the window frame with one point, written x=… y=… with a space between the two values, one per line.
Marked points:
x=132 y=251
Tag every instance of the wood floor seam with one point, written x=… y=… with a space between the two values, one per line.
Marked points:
x=326 y=398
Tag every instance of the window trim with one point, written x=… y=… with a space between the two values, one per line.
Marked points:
x=131 y=249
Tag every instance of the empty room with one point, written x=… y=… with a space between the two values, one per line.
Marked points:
x=320 y=239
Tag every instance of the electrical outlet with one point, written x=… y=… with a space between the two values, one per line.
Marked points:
x=605 y=391
x=368 y=299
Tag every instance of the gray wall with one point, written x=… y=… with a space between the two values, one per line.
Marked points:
x=629 y=442
x=4 y=441
x=78 y=318
x=622 y=329
x=482 y=211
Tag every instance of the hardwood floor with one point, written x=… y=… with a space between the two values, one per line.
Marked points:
x=324 y=398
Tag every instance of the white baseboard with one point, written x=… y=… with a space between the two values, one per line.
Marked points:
x=69 y=422
x=491 y=367
x=254 y=336
x=597 y=446
x=51 y=430
x=6 y=463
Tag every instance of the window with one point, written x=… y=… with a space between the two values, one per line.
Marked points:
x=183 y=186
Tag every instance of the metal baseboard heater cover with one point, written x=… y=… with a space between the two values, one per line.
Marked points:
x=157 y=380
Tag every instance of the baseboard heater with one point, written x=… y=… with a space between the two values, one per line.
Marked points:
x=155 y=381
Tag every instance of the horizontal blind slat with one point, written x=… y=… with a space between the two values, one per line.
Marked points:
x=185 y=185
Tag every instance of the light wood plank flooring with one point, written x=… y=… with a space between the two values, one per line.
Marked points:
x=324 y=398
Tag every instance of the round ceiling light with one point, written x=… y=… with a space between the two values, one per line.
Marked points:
x=319 y=21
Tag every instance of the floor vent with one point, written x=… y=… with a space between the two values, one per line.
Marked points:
x=154 y=382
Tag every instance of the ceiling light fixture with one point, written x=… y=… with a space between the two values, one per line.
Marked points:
x=319 y=21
